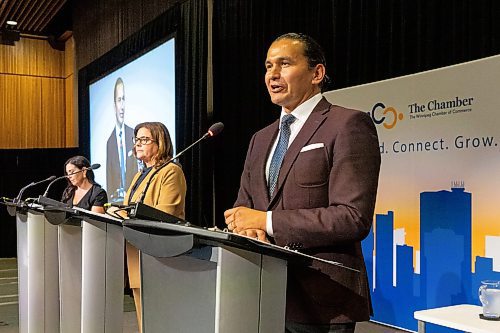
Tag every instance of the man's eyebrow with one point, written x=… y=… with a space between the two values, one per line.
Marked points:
x=279 y=59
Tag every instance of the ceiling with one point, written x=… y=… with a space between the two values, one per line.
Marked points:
x=37 y=17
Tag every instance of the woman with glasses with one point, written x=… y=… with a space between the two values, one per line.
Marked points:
x=166 y=191
x=82 y=190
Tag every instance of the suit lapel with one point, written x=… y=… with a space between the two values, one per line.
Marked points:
x=310 y=127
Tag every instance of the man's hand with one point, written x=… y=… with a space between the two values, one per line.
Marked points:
x=255 y=233
x=239 y=219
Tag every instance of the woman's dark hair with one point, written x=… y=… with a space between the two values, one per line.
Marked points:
x=80 y=162
x=161 y=136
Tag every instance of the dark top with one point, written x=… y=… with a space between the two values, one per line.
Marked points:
x=95 y=196
x=143 y=175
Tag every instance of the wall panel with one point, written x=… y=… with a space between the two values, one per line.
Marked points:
x=52 y=113
x=34 y=102
x=70 y=90
x=31 y=57
x=27 y=95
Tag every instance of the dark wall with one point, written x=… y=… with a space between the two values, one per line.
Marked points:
x=19 y=168
x=100 y=25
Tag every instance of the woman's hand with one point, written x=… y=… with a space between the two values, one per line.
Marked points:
x=117 y=212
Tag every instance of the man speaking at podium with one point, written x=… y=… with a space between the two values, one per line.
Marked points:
x=309 y=183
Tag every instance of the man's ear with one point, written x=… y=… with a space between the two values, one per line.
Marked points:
x=319 y=74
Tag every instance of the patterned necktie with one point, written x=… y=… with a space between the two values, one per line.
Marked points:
x=280 y=151
x=122 y=161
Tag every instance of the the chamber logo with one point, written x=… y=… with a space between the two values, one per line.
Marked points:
x=438 y=107
x=386 y=116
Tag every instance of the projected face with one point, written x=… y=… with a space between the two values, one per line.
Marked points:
x=119 y=103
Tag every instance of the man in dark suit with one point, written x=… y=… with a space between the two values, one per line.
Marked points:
x=309 y=183
x=121 y=165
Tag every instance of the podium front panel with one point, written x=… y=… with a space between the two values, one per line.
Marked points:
x=22 y=269
x=70 y=277
x=208 y=290
x=102 y=277
x=238 y=290
x=273 y=295
x=178 y=293
x=38 y=273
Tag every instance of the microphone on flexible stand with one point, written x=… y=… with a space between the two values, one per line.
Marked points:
x=214 y=130
x=18 y=198
x=92 y=167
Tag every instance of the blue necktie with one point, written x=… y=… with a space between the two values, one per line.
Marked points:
x=280 y=151
x=122 y=161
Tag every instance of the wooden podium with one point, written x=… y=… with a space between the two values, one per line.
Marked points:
x=37 y=249
x=199 y=280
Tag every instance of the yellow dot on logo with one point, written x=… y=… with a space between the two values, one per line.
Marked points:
x=401 y=116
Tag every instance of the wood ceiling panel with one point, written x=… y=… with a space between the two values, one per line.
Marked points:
x=32 y=16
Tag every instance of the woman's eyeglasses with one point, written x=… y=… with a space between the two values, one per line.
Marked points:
x=142 y=140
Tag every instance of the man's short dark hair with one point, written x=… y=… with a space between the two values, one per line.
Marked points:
x=118 y=81
x=312 y=51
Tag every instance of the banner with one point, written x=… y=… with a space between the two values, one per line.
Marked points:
x=436 y=231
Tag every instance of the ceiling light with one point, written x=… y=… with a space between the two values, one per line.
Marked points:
x=13 y=23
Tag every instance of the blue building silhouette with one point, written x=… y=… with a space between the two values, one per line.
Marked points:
x=445 y=247
x=445 y=277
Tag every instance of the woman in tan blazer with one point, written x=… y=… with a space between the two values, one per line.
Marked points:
x=167 y=191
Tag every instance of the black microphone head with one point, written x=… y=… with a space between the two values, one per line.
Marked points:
x=215 y=129
x=95 y=166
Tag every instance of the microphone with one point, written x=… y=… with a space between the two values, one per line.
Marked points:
x=214 y=130
x=92 y=167
x=18 y=198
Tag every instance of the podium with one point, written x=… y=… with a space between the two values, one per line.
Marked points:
x=37 y=249
x=198 y=280
x=91 y=248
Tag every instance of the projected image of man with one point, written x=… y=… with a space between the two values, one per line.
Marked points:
x=121 y=165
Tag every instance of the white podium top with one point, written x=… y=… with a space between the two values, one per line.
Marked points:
x=464 y=317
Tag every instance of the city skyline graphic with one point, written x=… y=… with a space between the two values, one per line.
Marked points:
x=442 y=272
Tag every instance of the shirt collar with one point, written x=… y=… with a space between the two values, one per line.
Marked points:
x=118 y=128
x=303 y=111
